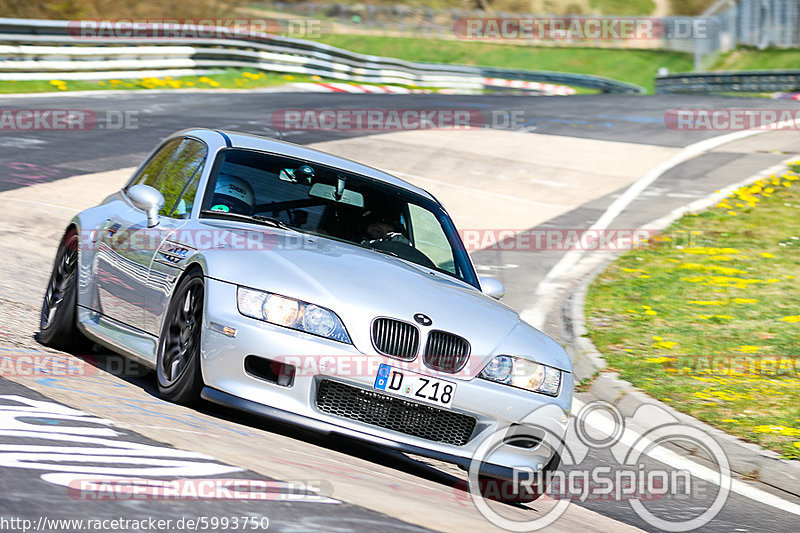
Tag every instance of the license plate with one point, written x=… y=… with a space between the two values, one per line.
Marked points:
x=415 y=386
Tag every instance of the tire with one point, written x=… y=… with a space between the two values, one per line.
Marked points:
x=180 y=379
x=57 y=320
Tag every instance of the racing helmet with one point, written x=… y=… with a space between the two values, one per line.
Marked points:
x=233 y=195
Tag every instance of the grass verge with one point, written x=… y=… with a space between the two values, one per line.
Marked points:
x=633 y=66
x=753 y=59
x=227 y=79
x=706 y=316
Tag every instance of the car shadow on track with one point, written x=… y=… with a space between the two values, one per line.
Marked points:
x=142 y=377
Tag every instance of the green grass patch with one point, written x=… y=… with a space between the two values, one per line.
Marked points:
x=623 y=7
x=573 y=7
x=723 y=285
x=228 y=79
x=633 y=66
x=752 y=59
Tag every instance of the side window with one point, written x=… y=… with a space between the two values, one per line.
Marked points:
x=430 y=239
x=175 y=171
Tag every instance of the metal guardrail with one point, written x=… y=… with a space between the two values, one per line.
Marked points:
x=751 y=81
x=41 y=49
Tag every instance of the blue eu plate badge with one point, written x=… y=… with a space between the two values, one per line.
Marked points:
x=383 y=377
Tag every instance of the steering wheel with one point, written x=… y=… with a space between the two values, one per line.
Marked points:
x=401 y=248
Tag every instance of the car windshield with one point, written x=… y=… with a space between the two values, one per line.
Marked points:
x=336 y=204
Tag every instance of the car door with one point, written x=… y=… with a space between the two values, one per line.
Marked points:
x=126 y=245
x=178 y=184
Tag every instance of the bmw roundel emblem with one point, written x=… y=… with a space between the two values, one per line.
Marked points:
x=423 y=320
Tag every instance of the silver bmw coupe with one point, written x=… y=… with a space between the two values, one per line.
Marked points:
x=304 y=287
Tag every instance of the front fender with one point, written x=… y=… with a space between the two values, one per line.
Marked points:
x=528 y=342
x=89 y=224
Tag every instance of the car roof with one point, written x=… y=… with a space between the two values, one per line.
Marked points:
x=257 y=142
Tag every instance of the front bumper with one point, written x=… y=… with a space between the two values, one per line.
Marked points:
x=494 y=406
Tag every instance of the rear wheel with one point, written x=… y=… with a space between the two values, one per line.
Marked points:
x=57 y=327
x=178 y=361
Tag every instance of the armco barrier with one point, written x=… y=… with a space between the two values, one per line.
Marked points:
x=750 y=81
x=44 y=49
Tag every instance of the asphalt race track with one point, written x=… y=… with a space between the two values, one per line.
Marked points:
x=108 y=415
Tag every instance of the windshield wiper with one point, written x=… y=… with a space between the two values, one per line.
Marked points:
x=386 y=252
x=269 y=221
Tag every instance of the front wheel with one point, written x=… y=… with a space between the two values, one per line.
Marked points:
x=178 y=361
x=57 y=327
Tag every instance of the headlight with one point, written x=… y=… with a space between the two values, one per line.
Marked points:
x=523 y=374
x=291 y=313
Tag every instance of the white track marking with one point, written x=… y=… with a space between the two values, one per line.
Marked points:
x=661 y=454
x=547 y=291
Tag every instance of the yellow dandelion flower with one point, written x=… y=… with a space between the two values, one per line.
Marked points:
x=792 y=319
x=744 y=300
x=650 y=312
x=748 y=348
x=768 y=429
x=667 y=345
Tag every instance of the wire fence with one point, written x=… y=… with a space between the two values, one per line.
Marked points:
x=724 y=26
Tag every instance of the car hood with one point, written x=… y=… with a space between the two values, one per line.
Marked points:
x=360 y=284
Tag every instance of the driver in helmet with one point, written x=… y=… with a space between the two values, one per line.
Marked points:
x=378 y=228
x=233 y=195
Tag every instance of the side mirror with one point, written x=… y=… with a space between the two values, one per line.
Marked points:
x=147 y=199
x=492 y=287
